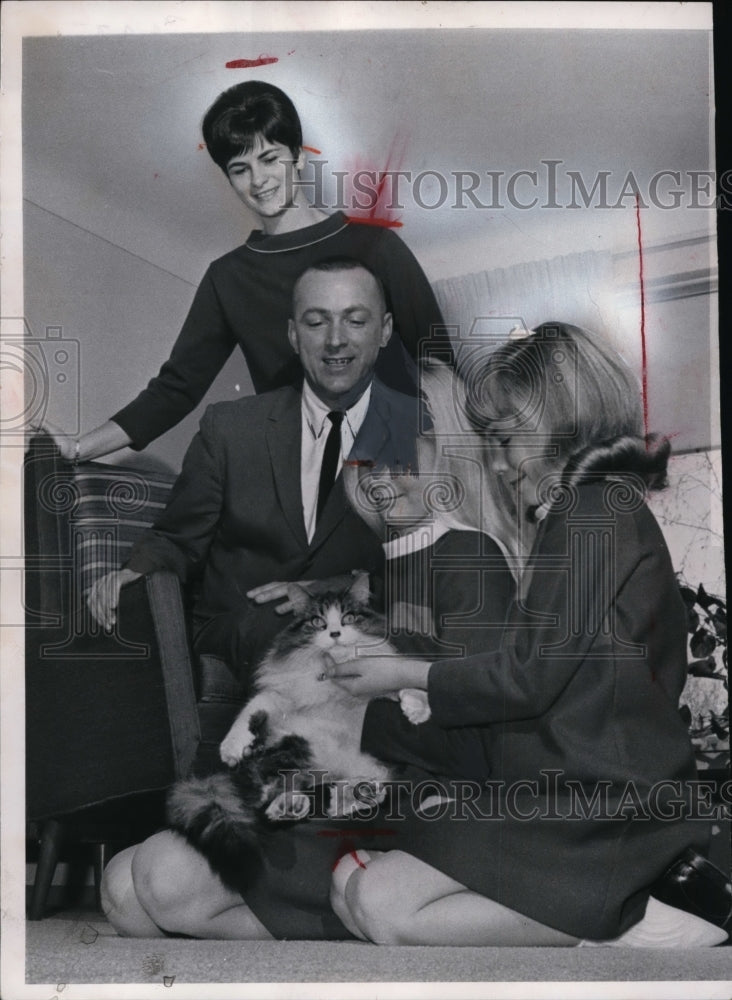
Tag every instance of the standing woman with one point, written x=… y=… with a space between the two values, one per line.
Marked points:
x=253 y=132
x=591 y=825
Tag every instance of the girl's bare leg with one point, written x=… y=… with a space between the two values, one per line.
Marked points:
x=119 y=900
x=427 y=908
x=174 y=890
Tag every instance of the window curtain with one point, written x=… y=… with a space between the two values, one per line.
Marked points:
x=484 y=307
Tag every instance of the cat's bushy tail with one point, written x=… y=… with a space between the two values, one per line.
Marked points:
x=219 y=821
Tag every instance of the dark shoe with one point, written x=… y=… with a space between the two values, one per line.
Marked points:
x=694 y=884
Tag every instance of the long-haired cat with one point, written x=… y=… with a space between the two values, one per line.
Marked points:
x=297 y=722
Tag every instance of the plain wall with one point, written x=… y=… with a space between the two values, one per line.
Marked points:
x=124 y=314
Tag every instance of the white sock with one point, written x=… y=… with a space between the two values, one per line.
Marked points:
x=665 y=926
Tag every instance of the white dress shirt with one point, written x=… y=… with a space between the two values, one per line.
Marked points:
x=315 y=428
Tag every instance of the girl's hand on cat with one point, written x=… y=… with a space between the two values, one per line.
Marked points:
x=370 y=676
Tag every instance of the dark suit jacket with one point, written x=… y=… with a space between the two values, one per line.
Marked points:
x=235 y=512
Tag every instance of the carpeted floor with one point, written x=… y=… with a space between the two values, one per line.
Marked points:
x=78 y=946
x=83 y=948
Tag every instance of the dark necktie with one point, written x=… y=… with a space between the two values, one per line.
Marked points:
x=331 y=455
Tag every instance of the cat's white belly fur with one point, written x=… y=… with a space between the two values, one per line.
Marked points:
x=298 y=700
x=334 y=744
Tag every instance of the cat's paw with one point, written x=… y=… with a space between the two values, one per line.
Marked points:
x=235 y=746
x=358 y=795
x=288 y=806
x=415 y=705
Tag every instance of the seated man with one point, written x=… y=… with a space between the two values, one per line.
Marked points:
x=259 y=500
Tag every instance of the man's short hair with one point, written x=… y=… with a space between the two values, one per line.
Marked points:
x=334 y=264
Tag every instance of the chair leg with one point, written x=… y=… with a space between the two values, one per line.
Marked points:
x=51 y=838
x=101 y=857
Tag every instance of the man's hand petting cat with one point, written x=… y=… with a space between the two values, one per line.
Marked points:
x=104 y=596
x=277 y=590
x=371 y=676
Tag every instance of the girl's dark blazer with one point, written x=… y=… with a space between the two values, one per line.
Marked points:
x=592 y=763
x=235 y=512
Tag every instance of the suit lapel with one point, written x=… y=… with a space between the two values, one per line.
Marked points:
x=283 y=433
x=374 y=436
x=371 y=443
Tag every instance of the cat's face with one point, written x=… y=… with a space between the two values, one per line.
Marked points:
x=333 y=622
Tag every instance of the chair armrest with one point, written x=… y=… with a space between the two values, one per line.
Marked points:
x=166 y=603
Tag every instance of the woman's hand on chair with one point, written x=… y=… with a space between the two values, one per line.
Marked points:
x=104 y=596
x=103 y=440
x=66 y=443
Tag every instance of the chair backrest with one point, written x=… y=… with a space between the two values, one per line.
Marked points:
x=48 y=555
x=80 y=523
x=114 y=506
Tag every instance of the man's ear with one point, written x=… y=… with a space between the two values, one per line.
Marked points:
x=387 y=328
x=292 y=336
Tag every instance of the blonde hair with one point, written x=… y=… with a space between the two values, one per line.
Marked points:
x=561 y=386
x=459 y=455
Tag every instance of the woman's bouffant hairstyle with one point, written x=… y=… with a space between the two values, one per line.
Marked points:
x=570 y=392
x=241 y=113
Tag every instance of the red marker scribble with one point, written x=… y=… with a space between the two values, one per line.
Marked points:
x=375 y=220
x=249 y=63
x=312 y=149
x=356 y=832
x=644 y=358
x=372 y=194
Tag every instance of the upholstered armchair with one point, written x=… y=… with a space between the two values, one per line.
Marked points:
x=108 y=716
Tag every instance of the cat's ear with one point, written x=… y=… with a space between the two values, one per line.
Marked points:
x=298 y=597
x=359 y=589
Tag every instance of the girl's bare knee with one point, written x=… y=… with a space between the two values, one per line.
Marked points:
x=116 y=880
x=159 y=877
x=119 y=900
x=373 y=904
